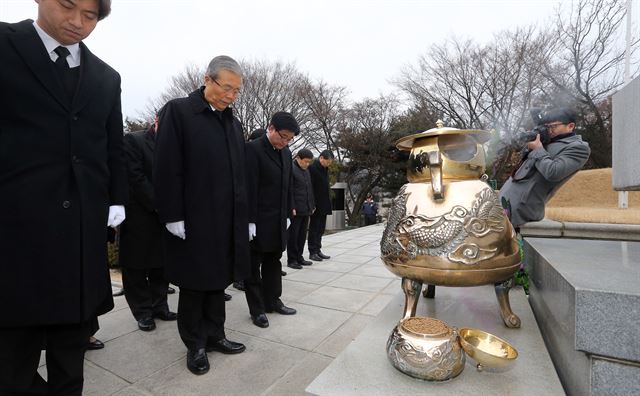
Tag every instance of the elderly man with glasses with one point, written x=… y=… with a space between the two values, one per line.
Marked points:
x=200 y=192
x=544 y=168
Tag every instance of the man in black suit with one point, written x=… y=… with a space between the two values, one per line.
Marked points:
x=62 y=180
x=320 y=181
x=145 y=286
x=270 y=213
x=200 y=190
x=303 y=206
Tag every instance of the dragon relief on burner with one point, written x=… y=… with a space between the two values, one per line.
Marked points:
x=445 y=234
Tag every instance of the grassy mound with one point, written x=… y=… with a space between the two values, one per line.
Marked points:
x=588 y=197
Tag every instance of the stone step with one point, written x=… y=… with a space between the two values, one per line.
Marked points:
x=363 y=368
x=565 y=229
x=586 y=297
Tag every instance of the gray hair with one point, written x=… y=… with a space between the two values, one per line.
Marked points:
x=223 y=62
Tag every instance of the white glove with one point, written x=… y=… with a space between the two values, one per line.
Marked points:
x=177 y=229
x=288 y=223
x=252 y=231
x=116 y=216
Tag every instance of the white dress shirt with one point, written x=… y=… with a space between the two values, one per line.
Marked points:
x=51 y=44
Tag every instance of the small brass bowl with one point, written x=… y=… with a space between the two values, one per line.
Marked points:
x=487 y=349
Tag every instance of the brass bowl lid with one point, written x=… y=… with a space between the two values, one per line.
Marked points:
x=406 y=143
x=486 y=348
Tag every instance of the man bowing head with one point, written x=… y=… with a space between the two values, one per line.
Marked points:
x=199 y=178
x=62 y=181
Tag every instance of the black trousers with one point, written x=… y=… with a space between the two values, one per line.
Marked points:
x=20 y=354
x=264 y=287
x=201 y=317
x=369 y=219
x=145 y=291
x=316 y=229
x=297 y=237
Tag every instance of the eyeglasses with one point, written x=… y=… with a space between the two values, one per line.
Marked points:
x=552 y=126
x=284 y=138
x=227 y=88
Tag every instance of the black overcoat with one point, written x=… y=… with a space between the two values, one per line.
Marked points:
x=61 y=167
x=199 y=177
x=270 y=200
x=302 y=190
x=320 y=182
x=141 y=232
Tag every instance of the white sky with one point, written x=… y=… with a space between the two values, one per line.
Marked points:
x=355 y=43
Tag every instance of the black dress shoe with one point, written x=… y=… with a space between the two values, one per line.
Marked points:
x=146 y=324
x=166 y=315
x=197 y=361
x=323 y=256
x=315 y=257
x=305 y=262
x=280 y=308
x=239 y=285
x=225 y=346
x=260 y=320
x=227 y=297
x=170 y=290
x=294 y=265
x=95 y=344
x=283 y=273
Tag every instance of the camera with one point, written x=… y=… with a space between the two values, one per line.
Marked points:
x=537 y=115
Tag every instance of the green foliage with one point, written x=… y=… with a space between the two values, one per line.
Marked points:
x=334 y=172
x=522 y=279
x=368 y=146
x=112 y=255
x=600 y=142
x=414 y=120
x=522 y=276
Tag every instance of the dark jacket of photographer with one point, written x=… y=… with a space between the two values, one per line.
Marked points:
x=540 y=175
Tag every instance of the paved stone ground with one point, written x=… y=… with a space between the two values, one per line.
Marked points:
x=336 y=299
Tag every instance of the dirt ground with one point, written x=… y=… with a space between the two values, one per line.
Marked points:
x=589 y=197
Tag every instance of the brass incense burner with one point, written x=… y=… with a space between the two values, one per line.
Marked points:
x=446 y=226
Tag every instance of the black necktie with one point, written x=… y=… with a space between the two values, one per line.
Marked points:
x=68 y=76
x=62 y=52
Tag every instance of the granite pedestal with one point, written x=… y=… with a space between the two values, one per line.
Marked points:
x=363 y=368
x=586 y=297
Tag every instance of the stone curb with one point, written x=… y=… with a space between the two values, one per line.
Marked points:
x=557 y=229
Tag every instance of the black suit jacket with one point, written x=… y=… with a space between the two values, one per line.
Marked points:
x=141 y=232
x=270 y=200
x=199 y=177
x=61 y=167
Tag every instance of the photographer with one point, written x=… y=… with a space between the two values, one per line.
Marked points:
x=549 y=162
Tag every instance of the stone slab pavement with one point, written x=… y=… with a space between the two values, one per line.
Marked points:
x=336 y=299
